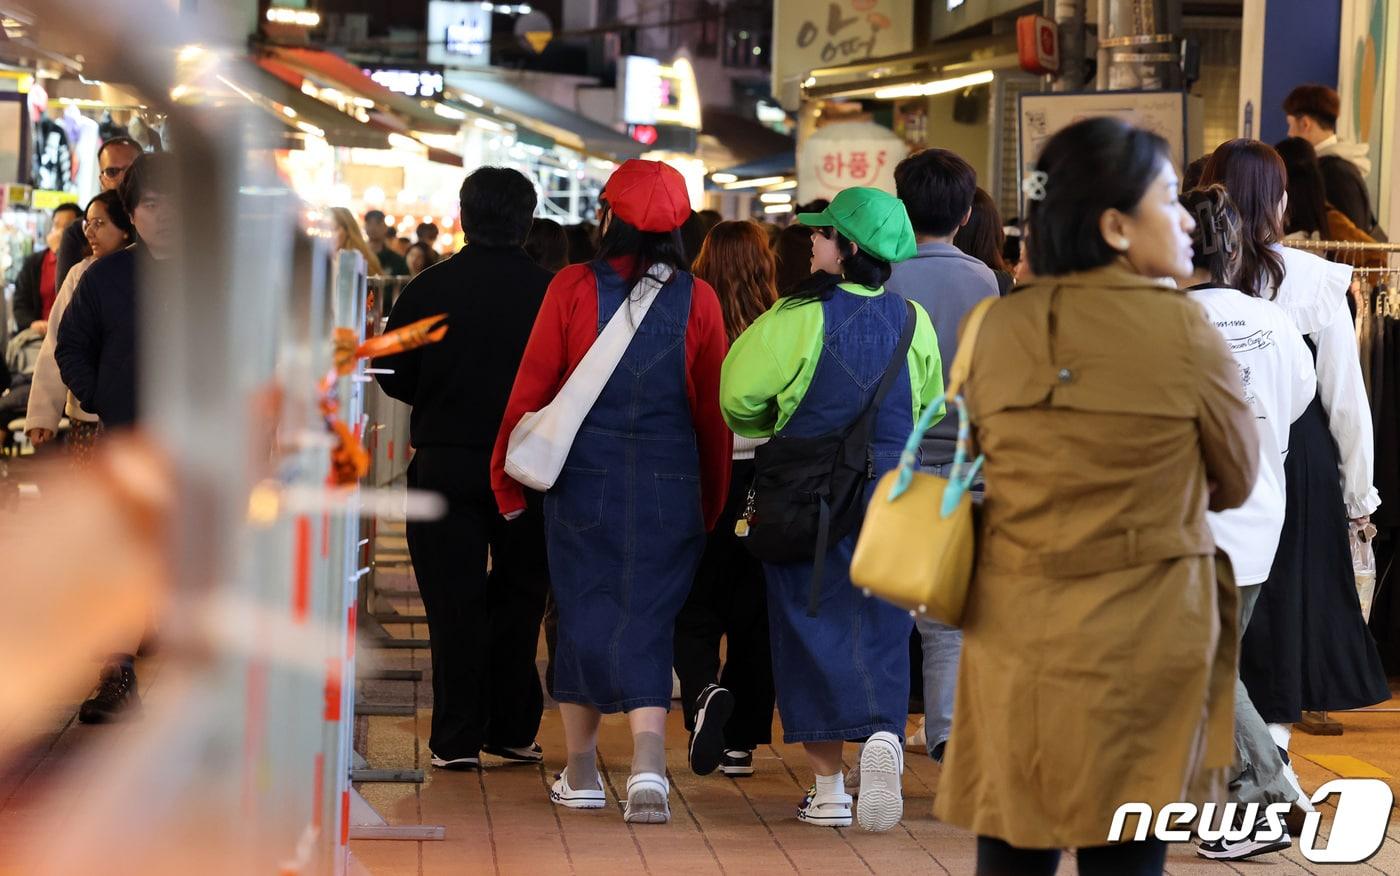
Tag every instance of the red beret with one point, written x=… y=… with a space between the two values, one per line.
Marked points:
x=648 y=195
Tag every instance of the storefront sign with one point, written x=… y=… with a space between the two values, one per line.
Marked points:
x=808 y=35
x=846 y=154
x=414 y=83
x=653 y=93
x=459 y=34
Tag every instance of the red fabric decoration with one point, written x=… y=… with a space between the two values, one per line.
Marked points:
x=648 y=195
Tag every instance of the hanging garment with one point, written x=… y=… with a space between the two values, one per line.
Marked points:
x=1307 y=646
x=53 y=157
x=624 y=522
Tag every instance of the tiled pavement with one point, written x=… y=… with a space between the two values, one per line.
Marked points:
x=500 y=820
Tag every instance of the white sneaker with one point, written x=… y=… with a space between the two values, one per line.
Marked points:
x=881 y=791
x=1248 y=847
x=648 y=799
x=825 y=810
x=576 y=798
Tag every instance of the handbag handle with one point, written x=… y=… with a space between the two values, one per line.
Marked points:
x=959 y=480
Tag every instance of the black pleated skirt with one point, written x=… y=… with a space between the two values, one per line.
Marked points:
x=1307 y=647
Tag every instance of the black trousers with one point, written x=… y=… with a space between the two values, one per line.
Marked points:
x=729 y=599
x=996 y=858
x=483 y=627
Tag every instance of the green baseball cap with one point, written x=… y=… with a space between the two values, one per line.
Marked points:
x=872 y=219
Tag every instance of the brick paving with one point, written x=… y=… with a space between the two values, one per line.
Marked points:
x=500 y=820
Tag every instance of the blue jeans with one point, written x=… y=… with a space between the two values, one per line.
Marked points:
x=942 y=646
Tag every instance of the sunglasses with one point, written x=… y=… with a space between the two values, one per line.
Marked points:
x=113 y=172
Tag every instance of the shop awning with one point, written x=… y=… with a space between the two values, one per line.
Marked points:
x=338 y=128
x=946 y=61
x=565 y=126
x=329 y=68
x=744 y=138
x=778 y=164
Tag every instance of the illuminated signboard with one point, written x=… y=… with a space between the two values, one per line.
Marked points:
x=459 y=34
x=414 y=83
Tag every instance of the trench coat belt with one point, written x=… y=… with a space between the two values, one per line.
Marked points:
x=1124 y=550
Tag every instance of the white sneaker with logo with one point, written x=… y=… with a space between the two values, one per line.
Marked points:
x=825 y=810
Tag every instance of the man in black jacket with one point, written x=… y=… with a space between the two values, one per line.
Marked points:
x=483 y=628
x=97 y=354
x=1312 y=115
x=37 y=284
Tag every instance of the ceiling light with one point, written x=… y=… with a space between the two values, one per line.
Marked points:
x=723 y=177
x=938 y=86
x=296 y=17
x=756 y=182
x=778 y=208
x=775 y=197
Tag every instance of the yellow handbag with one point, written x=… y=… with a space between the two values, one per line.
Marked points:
x=915 y=548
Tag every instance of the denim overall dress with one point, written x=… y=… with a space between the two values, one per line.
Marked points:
x=624 y=524
x=844 y=674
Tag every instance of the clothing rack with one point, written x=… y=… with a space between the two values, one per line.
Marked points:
x=1375 y=296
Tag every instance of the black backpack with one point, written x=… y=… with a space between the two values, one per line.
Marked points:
x=808 y=493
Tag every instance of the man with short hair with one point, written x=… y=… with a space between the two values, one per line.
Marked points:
x=113 y=158
x=1312 y=112
x=97 y=352
x=483 y=628
x=937 y=187
x=428 y=234
x=37 y=284
x=377 y=233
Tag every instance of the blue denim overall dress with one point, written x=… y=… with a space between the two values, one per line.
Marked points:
x=844 y=674
x=624 y=524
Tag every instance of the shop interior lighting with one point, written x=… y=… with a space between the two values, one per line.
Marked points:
x=723 y=177
x=790 y=184
x=937 y=86
x=778 y=208
x=297 y=17
x=775 y=197
x=756 y=182
x=448 y=112
x=488 y=124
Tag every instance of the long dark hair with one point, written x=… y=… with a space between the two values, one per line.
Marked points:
x=1215 y=244
x=1254 y=175
x=857 y=266
x=1075 y=189
x=736 y=261
x=982 y=236
x=647 y=248
x=1307 y=193
x=793 y=250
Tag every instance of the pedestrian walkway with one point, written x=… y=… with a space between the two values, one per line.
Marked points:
x=500 y=820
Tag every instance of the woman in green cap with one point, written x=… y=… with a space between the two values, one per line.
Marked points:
x=811 y=367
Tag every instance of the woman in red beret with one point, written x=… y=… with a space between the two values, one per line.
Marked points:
x=645 y=478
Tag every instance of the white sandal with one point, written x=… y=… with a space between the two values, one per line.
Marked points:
x=648 y=799
x=881 y=792
x=576 y=798
x=825 y=810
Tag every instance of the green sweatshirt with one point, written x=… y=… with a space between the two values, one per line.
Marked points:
x=771 y=365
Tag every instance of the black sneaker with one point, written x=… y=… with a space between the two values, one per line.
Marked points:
x=457 y=764
x=530 y=754
x=713 y=708
x=736 y=762
x=116 y=694
x=1249 y=847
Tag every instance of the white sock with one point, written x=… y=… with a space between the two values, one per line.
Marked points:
x=831 y=784
x=1281 y=733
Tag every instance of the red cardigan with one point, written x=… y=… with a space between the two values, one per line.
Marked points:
x=564 y=330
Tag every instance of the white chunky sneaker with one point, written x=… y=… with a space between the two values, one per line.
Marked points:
x=881 y=775
x=648 y=799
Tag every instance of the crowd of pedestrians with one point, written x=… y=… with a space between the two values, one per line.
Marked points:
x=1168 y=400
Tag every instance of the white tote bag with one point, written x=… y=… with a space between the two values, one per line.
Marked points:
x=540 y=442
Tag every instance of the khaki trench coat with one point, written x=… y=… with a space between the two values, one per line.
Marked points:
x=1099 y=643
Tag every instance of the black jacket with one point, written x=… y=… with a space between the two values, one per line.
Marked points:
x=96 y=348
x=459 y=386
x=1346 y=190
x=28 y=303
x=391 y=263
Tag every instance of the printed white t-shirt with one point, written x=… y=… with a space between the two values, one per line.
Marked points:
x=1276 y=369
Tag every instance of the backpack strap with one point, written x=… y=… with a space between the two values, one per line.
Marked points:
x=892 y=372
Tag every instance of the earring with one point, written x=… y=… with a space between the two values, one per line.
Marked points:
x=1121 y=245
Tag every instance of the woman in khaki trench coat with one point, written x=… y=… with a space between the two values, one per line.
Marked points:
x=1099 y=640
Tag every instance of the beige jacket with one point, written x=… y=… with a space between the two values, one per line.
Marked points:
x=1099 y=638
x=49 y=399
